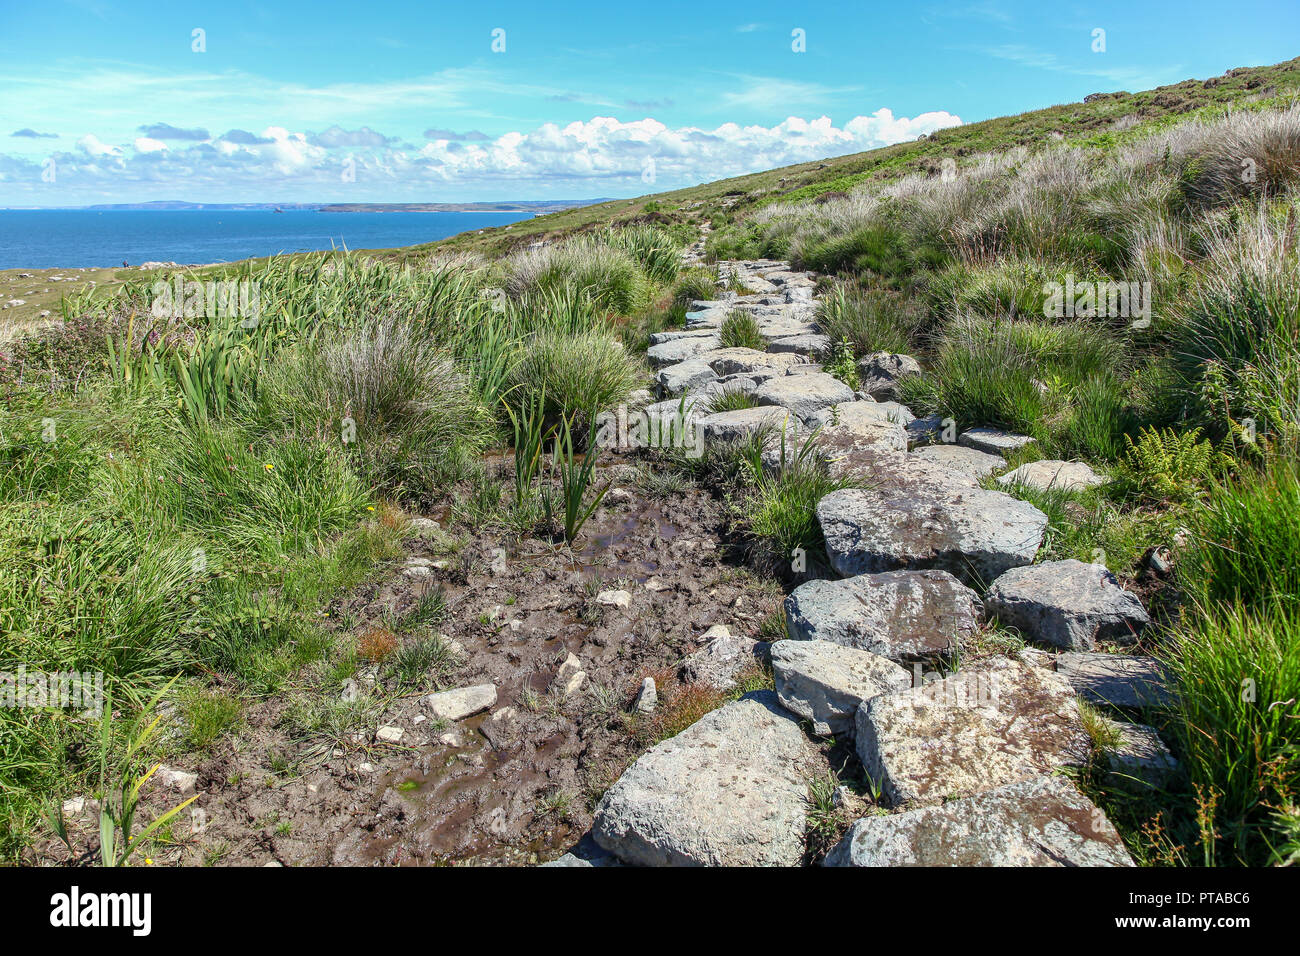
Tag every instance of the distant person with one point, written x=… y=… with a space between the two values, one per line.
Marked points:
x=125 y=264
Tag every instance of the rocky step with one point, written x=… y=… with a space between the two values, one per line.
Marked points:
x=729 y=790
x=1067 y=603
x=1043 y=821
x=825 y=683
x=994 y=722
x=940 y=523
x=1131 y=681
x=899 y=615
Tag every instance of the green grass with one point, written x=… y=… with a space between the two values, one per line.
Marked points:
x=739 y=330
x=875 y=320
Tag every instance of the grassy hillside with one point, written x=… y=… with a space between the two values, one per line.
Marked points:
x=186 y=485
x=1104 y=119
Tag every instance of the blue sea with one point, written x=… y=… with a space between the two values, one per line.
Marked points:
x=66 y=238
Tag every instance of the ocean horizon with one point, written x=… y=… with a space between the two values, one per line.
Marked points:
x=73 y=238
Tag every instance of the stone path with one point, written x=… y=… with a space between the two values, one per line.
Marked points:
x=972 y=759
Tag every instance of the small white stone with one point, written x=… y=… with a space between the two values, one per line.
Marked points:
x=615 y=598
x=389 y=734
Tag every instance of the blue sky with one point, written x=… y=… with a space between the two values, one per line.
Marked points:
x=321 y=101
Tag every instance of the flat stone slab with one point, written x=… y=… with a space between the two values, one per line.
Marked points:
x=809 y=343
x=1140 y=761
x=968 y=461
x=824 y=683
x=735 y=361
x=993 y=440
x=899 y=615
x=863 y=409
x=684 y=377
x=1049 y=473
x=460 y=703
x=994 y=722
x=729 y=790
x=1045 y=821
x=804 y=395
x=974 y=533
x=1068 y=604
x=680 y=349
x=1121 y=680
x=743 y=422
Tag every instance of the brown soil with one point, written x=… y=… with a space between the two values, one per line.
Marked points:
x=515 y=790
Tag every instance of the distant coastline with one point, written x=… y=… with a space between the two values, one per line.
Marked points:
x=535 y=207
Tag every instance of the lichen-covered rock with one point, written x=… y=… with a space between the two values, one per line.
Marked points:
x=729 y=790
x=1048 y=474
x=994 y=722
x=974 y=533
x=899 y=615
x=1044 y=821
x=734 y=361
x=723 y=656
x=807 y=343
x=968 y=461
x=680 y=349
x=1068 y=604
x=824 y=683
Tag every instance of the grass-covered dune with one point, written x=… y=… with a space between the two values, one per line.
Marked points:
x=185 y=489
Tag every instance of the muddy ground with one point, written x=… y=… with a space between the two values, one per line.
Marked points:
x=516 y=785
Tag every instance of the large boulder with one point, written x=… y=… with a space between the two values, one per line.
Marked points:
x=729 y=790
x=824 y=683
x=994 y=722
x=1044 y=821
x=974 y=533
x=882 y=373
x=1066 y=603
x=1051 y=474
x=804 y=395
x=899 y=615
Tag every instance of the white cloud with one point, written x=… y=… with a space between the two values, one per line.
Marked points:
x=600 y=156
x=91 y=146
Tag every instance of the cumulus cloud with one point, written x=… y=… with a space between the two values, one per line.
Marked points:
x=450 y=134
x=336 y=136
x=167 y=131
x=600 y=156
x=90 y=145
x=28 y=133
x=243 y=137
